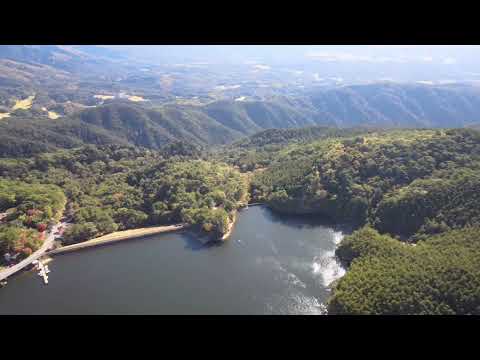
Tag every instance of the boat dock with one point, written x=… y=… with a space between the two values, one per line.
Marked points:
x=47 y=244
x=43 y=270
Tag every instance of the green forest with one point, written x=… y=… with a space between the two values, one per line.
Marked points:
x=412 y=196
x=28 y=210
x=110 y=188
x=438 y=276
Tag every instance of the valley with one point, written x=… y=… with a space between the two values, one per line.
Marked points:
x=366 y=192
x=428 y=196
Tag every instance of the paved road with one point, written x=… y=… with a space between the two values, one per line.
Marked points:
x=47 y=244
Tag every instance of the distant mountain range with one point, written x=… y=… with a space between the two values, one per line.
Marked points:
x=127 y=123
x=68 y=58
x=66 y=79
x=222 y=122
x=399 y=105
x=373 y=106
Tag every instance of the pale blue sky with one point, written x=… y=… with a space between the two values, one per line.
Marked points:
x=440 y=54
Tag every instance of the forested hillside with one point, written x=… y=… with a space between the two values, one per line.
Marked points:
x=26 y=211
x=413 y=195
x=347 y=178
x=259 y=150
x=417 y=187
x=121 y=122
x=439 y=276
x=223 y=122
x=398 y=105
x=115 y=187
x=27 y=136
x=113 y=143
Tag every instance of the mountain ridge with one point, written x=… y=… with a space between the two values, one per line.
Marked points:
x=224 y=121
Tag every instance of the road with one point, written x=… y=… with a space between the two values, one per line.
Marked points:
x=47 y=244
x=118 y=236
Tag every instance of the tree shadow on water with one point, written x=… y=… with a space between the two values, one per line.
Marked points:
x=307 y=221
x=195 y=243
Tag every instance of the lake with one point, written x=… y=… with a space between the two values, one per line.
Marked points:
x=271 y=264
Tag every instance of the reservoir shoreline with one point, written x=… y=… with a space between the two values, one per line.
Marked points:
x=118 y=236
x=258 y=271
x=231 y=224
x=138 y=233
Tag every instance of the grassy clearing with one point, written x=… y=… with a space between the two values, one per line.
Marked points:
x=53 y=115
x=24 y=104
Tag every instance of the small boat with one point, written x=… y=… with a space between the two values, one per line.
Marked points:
x=3 y=283
x=42 y=274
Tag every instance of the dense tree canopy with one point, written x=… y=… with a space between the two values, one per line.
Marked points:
x=349 y=178
x=27 y=209
x=437 y=276
x=421 y=186
x=114 y=188
x=418 y=186
x=194 y=191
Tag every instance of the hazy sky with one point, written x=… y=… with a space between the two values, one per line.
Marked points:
x=354 y=63
x=438 y=54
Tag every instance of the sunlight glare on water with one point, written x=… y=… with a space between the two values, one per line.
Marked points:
x=271 y=264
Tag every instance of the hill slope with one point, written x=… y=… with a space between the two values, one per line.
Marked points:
x=398 y=105
x=222 y=122
x=121 y=122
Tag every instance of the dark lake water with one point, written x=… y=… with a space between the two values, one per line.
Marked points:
x=271 y=264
